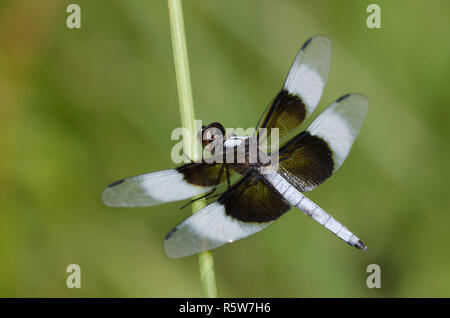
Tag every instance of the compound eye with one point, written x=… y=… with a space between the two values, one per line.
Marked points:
x=212 y=135
x=206 y=138
x=219 y=127
x=208 y=135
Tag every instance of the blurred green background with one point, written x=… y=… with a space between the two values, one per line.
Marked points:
x=82 y=108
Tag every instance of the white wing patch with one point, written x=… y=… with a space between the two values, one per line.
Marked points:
x=339 y=125
x=309 y=72
x=207 y=229
x=151 y=189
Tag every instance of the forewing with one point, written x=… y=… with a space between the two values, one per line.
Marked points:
x=154 y=188
x=302 y=89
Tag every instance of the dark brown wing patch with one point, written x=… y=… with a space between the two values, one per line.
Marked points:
x=286 y=113
x=253 y=200
x=306 y=161
x=204 y=174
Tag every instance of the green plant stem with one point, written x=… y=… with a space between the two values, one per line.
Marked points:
x=206 y=261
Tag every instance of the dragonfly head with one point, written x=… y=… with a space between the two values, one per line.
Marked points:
x=212 y=136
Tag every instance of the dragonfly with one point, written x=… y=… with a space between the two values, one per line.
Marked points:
x=262 y=191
